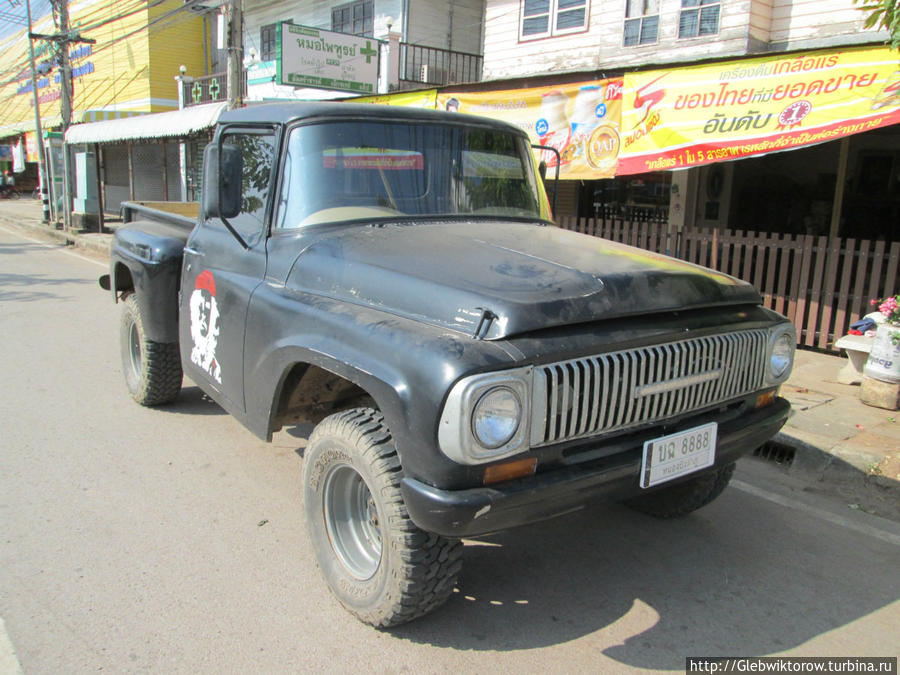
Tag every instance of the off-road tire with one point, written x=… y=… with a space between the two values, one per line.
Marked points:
x=411 y=572
x=683 y=498
x=152 y=369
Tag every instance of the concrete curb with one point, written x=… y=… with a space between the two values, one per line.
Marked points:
x=98 y=245
x=828 y=468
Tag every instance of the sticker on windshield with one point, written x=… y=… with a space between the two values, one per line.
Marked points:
x=478 y=164
x=205 y=325
x=362 y=159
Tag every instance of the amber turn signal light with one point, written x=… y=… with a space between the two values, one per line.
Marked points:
x=765 y=399
x=510 y=470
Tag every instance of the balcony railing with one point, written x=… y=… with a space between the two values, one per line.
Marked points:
x=208 y=89
x=423 y=66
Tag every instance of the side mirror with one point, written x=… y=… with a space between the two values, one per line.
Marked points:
x=542 y=170
x=222 y=180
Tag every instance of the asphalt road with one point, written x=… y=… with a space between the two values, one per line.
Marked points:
x=171 y=540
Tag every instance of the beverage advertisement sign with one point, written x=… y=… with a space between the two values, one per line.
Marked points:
x=691 y=116
x=309 y=57
x=31 y=147
x=579 y=120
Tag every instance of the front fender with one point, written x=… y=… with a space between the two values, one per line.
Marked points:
x=406 y=366
x=154 y=265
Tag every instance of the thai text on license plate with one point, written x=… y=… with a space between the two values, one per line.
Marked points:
x=678 y=454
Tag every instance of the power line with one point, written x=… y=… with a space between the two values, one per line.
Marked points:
x=18 y=66
x=171 y=17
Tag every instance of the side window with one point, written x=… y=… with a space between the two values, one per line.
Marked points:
x=641 y=22
x=267 y=42
x=357 y=18
x=543 y=18
x=698 y=18
x=258 y=157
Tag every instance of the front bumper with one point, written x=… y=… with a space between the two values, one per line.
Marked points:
x=463 y=513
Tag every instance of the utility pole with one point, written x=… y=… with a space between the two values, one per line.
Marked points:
x=61 y=9
x=234 y=18
x=43 y=168
x=61 y=40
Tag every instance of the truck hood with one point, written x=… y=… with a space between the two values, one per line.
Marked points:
x=494 y=279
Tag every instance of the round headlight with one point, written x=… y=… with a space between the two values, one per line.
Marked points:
x=782 y=353
x=496 y=417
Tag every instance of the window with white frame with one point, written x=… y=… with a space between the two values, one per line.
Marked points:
x=545 y=18
x=357 y=18
x=641 y=22
x=698 y=18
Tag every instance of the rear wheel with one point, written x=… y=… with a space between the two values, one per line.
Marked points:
x=152 y=369
x=683 y=498
x=379 y=565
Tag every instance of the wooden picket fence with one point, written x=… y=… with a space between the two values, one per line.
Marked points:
x=821 y=284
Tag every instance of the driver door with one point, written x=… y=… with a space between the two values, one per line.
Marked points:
x=219 y=275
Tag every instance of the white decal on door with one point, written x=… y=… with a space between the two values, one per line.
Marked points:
x=205 y=325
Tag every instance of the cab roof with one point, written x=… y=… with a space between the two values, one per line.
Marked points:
x=284 y=113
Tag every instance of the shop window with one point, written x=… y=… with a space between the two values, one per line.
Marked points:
x=357 y=18
x=641 y=22
x=546 y=18
x=698 y=18
x=267 y=42
x=643 y=197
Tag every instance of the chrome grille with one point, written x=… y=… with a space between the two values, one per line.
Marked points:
x=614 y=391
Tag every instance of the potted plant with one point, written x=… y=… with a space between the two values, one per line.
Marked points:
x=884 y=359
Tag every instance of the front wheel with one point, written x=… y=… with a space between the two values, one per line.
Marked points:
x=683 y=498
x=379 y=565
x=152 y=369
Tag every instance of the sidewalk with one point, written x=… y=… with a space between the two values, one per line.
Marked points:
x=26 y=212
x=839 y=444
x=831 y=443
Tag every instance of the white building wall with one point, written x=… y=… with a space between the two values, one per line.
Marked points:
x=601 y=46
x=745 y=27
x=807 y=24
x=448 y=24
x=761 y=20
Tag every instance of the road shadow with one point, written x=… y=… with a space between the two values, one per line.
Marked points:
x=193 y=401
x=19 y=248
x=650 y=592
x=27 y=287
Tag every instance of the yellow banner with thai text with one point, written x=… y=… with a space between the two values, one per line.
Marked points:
x=580 y=121
x=685 y=117
x=411 y=99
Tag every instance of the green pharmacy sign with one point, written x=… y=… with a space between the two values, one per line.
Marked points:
x=309 y=57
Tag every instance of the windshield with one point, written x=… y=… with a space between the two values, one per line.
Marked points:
x=341 y=171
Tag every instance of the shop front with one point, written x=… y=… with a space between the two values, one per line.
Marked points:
x=804 y=143
x=153 y=157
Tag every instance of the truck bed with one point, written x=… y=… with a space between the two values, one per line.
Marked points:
x=180 y=214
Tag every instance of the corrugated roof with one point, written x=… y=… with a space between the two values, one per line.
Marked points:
x=155 y=125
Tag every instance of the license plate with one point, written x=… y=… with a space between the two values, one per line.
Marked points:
x=678 y=454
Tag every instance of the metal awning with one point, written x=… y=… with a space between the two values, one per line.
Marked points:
x=176 y=123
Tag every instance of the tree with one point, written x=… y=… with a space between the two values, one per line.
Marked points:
x=883 y=14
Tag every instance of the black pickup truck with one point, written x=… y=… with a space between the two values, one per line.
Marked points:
x=392 y=276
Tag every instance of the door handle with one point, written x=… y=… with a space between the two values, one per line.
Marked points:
x=193 y=251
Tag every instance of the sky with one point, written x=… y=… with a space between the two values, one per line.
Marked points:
x=13 y=17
